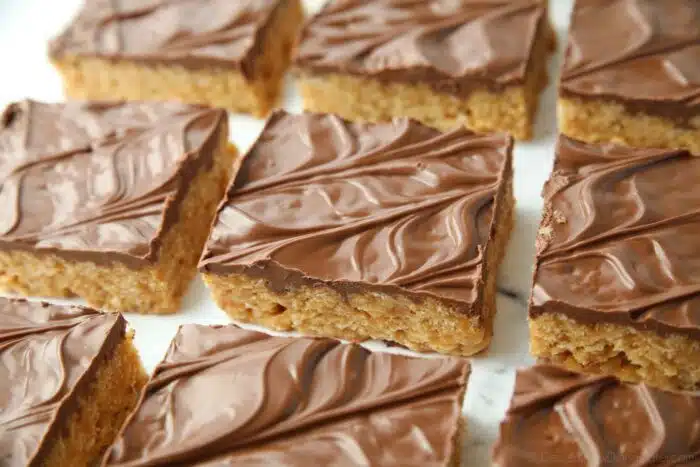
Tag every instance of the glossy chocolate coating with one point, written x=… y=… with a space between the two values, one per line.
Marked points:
x=229 y=396
x=453 y=46
x=561 y=418
x=394 y=207
x=190 y=33
x=98 y=181
x=643 y=53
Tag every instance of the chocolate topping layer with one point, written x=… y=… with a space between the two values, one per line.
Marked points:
x=228 y=396
x=193 y=33
x=558 y=418
x=393 y=207
x=97 y=181
x=49 y=356
x=620 y=240
x=644 y=53
x=453 y=46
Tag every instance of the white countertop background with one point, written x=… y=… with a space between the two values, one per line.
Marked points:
x=25 y=29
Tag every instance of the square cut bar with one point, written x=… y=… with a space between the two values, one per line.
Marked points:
x=445 y=63
x=109 y=202
x=640 y=86
x=617 y=279
x=561 y=418
x=223 y=53
x=69 y=376
x=227 y=396
x=389 y=231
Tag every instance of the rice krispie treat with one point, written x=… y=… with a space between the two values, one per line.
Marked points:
x=617 y=276
x=226 y=396
x=561 y=418
x=443 y=62
x=389 y=231
x=69 y=376
x=223 y=53
x=632 y=73
x=108 y=202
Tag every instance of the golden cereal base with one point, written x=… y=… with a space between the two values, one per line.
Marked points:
x=668 y=362
x=600 y=121
x=367 y=99
x=154 y=289
x=100 y=415
x=428 y=325
x=94 y=78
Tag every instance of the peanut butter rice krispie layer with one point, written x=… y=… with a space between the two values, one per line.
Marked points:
x=109 y=202
x=443 y=62
x=390 y=231
x=632 y=73
x=69 y=376
x=224 y=53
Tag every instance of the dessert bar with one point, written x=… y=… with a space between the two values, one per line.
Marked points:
x=640 y=85
x=110 y=202
x=443 y=62
x=69 y=376
x=223 y=53
x=389 y=231
x=617 y=278
x=227 y=396
x=561 y=418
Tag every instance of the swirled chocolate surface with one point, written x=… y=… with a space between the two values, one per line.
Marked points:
x=193 y=33
x=452 y=45
x=561 y=418
x=49 y=356
x=644 y=53
x=229 y=396
x=620 y=238
x=396 y=207
x=98 y=181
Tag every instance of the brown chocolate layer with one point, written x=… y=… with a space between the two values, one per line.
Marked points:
x=561 y=418
x=620 y=238
x=49 y=356
x=190 y=33
x=228 y=396
x=96 y=181
x=643 y=53
x=452 y=46
x=393 y=207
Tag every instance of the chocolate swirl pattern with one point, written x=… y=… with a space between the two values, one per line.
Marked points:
x=192 y=32
x=47 y=356
x=558 y=417
x=649 y=52
x=97 y=181
x=228 y=396
x=618 y=250
x=434 y=41
x=395 y=205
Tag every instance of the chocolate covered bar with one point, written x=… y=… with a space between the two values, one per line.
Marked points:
x=228 y=396
x=390 y=231
x=631 y=74
x=69 y=376
x=110 y=202
x=617 y=279
x=223 y=53
x=445 y=63
x=562 y=418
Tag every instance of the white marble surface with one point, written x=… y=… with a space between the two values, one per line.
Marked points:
x=26 y=26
